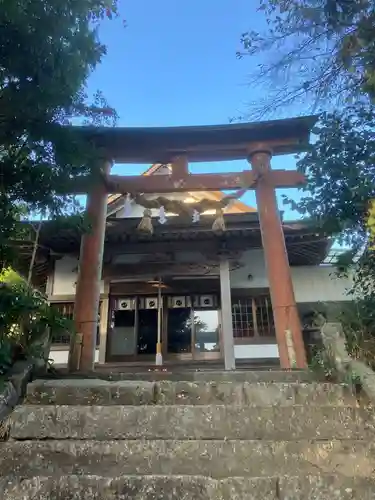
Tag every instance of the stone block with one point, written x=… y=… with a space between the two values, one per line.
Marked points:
x=215 y=376
x=191 y=422
x=90 y=392
x=165 y=392
x=8 y=400
x=138 y=488
x=218 y=459
x=323 y=487
x=94 y=487
x=252 y=393
x=20 y=375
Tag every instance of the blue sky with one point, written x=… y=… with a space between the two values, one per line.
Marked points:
x=175 y=64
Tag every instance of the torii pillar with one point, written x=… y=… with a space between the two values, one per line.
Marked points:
x=83 y=343
x=287 y=322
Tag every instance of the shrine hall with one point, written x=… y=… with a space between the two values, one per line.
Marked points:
x=176 y=270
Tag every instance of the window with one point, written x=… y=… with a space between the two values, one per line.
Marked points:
x=67 y=310
x=252 y=318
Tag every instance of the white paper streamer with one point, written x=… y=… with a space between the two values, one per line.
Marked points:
x=196 y=216
x=127 y=206
x=162 y=217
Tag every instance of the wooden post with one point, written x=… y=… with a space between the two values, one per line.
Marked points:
x=286 y=317
x=103 y=325
x=82 y=348
x=226 y=316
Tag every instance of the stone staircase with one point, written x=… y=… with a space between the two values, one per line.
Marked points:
x=201 y=435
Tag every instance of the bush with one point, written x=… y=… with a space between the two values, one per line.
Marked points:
x=26 y=320
x=358 y=323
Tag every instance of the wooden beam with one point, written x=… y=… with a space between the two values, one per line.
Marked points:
x=164 y=184
x=180 y=167
x=179 y=181
x=199 y=143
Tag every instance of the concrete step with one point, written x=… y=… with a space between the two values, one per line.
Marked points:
x=128 y=392
x=218 y=459
x=246 y=375
x=191 y=422
x=187 y=488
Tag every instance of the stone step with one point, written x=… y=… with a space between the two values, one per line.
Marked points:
x=187 y=488
x=127 y=392
x=193 y=375
x=191 y=422
x=272 y=375
x=218 y=459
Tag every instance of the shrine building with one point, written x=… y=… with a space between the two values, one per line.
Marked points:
x=174 y=266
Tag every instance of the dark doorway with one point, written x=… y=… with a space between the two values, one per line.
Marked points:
x=123 y=336
x=179 y=331
x=147 y=331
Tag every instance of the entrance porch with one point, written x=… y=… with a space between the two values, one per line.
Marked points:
x=195 y=266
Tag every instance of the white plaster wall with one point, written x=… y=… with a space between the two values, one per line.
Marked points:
x=254 y=265
x=311 y=283
x=318 y=284
x=65 y=276
x=256 y=351
x=60 y=357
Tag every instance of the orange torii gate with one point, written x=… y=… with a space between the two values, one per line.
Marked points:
x=256 y=142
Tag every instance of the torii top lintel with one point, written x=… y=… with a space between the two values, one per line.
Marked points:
x=200 y=143
x=180 y=145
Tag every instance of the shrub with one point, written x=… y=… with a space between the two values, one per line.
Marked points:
x=26 y=320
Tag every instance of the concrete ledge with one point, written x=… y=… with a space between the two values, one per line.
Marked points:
x=187 y=488
x=14 y=389
x=218 y=459
x=191 y=422
x=165 y=392
x=190 y=375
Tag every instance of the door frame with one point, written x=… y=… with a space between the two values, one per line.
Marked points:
x=206 y=356
x=194 y=355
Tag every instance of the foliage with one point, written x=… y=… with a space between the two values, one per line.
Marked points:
x=47 y=51
x=322 y=363
x=340 y=174
x=358 y=322
x=313 y=51
x=25 y=319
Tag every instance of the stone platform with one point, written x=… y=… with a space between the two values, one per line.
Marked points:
x=245 y=435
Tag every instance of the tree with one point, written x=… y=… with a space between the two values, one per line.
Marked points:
x=338 y=196
x=315 y=51
x=48 y=48
x=340 y=173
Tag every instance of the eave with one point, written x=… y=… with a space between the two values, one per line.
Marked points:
x=305 y=244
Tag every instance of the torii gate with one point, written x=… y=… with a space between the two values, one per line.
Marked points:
x=256 y=142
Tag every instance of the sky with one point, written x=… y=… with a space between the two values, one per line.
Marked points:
x=175 y=64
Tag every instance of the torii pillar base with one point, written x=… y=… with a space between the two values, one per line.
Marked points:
x=86 y=307
x=287 y=322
